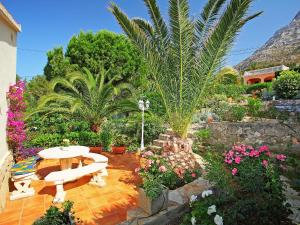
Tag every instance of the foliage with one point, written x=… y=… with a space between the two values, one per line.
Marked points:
x=56 y=216
x=44 y=141
x=228 y=75
x=156 y=103
x=230 y=90
x=255 y=107
x=158 y=174
x=37 y=87
x=131 y=126
x=258 y=87
x=87 y=97
x=203 y=135
x=106 y=138
x=15 y=129
x=115 y=51
x=203 y=210
x=229 y=112
x=184 y=56
x=121 y=140
x=287 y=85
x=57 y=64
x=249 y=185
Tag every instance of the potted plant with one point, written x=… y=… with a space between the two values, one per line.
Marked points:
x=119 y=144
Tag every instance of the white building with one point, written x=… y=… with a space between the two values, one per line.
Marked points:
x=8 y=57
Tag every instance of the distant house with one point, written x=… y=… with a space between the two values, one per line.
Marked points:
x=262 y=75
x=8 y=57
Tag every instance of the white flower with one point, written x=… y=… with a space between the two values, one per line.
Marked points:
x=218 y=220
x=193 y=198
x=193 y=220
x=206 y=193
x=211 y=209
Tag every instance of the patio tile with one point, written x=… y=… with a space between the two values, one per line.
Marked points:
x=10 y=215
x=94 y=205
x=35 y=211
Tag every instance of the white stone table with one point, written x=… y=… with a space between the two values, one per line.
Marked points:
x=64 y=154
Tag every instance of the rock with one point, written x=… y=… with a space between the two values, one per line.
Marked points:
x=172 y=213
x=182 y=195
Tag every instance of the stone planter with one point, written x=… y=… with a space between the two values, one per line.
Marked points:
x=152 y=206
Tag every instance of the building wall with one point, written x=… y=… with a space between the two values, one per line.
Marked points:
x=260 y=78
x=8 y=60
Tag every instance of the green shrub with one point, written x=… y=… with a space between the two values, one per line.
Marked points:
x=258 y=87
x=106 y=138
x=56 y=216
x=203 y=135
x=248 y=189
x=231 y=90
x=45 y=141
x=229 y=112
x=89 y=138
x=254 y=107
x=287 y=85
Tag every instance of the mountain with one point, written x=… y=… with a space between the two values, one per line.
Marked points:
x=282 y=48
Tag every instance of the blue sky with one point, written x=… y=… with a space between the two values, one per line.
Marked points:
x=50 y=23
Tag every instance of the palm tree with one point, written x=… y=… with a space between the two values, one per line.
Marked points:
x=87 y=97
x=184 y=55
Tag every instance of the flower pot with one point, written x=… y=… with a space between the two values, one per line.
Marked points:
x=118 y=149
x=95 y=149
x=152 y=206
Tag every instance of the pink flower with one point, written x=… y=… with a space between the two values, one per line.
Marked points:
x=234 y=171
x=263 y=148
x=268 y=154
x=193 y=175
x=137 y=169
x=265 y=163
x=148 y=153
x=280 y=157
x=254 y=153
x=237 y=160
x=149 y=163
x=162 y=169
x=228 y=161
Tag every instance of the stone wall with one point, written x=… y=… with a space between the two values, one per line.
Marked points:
x=276 y=134
x=5 y=166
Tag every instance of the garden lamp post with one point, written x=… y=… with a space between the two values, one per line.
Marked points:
x=143 y=106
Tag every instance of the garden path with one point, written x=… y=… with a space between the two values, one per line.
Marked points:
x=93 y=205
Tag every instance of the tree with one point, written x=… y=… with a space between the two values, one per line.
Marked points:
x=35 y=89
x=228 y=75
x=57 y=65
x=184 y=54
x=87 y=97
x=115 y=52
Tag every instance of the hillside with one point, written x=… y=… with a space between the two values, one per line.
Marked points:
x=282 y=48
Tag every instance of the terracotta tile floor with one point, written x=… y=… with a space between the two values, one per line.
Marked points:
x=93 y=205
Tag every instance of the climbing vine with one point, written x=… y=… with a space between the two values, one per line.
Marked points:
x=15 y=118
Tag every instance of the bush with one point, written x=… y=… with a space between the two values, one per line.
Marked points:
x=106 y=138
x=230 y=90
x=248 y=186
x=229 y=112
x=254 y=107
x=287 y=85
x=44 y=141
x=258 y=87
x=56 y=216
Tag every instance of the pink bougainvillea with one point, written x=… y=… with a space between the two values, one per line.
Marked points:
x=15 y=118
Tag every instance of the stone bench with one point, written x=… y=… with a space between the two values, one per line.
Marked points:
x=22 y=173
x=97 y=169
